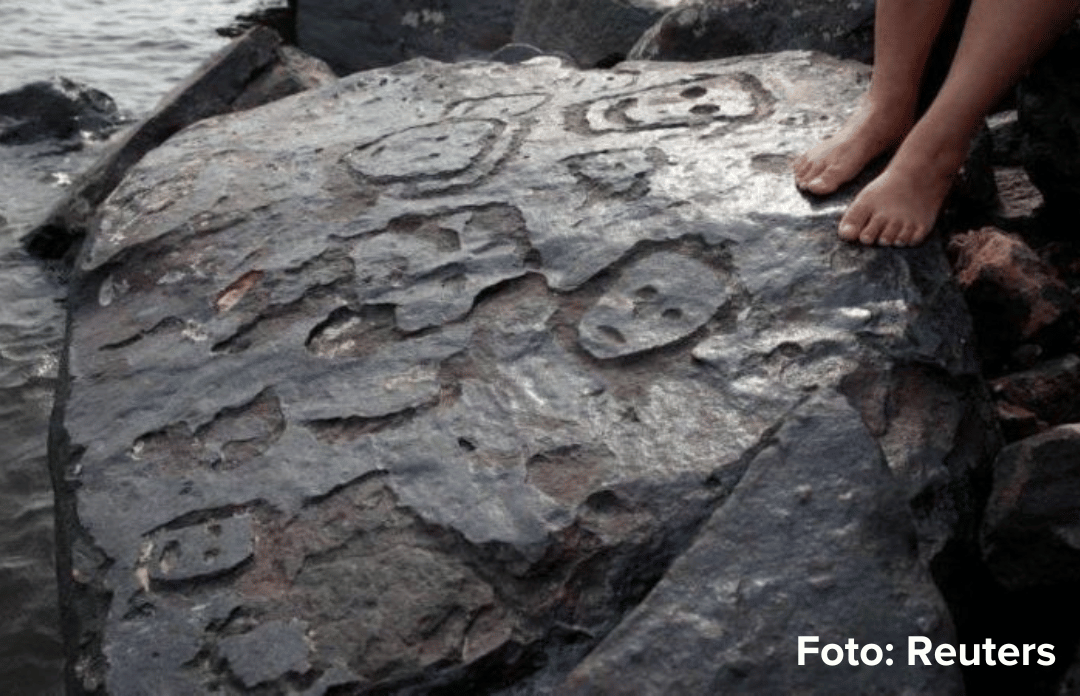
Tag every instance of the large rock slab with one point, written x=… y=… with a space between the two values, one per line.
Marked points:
x=420 y=382
x=821 y=486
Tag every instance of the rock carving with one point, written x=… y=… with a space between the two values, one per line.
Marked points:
x=660 y=300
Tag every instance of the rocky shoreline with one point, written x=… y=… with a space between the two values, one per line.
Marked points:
x=524 y=377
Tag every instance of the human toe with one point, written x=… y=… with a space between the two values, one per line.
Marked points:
x=853 y=222
x=871 y=232
x=915 y=234
x=890 y=232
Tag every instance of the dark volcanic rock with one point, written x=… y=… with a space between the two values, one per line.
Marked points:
x=354 y=35
x=291 y=71
x=60 y=108
x=1031 y=529
x=701 y=30
x=593 y=32
x=441 y=367
x=1015 y=296
x=1048 y=105
x=815 y=540
x=1050 y=390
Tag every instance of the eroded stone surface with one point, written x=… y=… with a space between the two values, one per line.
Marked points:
x=458 y=359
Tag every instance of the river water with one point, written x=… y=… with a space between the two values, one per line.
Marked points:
x=134 y=50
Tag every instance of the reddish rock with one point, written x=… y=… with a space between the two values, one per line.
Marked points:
x=1031 y=530
x=1050 y=391
x=1014 y=296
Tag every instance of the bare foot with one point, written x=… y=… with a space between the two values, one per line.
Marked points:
x=900 y=207
x=867 y=133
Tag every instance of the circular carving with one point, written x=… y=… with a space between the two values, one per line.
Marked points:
x=429 y=151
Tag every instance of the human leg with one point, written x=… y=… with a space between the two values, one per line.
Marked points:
x=1001 y=39
x=904 y=34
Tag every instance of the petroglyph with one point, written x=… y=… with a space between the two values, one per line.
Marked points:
x=702 y=102
x=616 y=173
x=433 y=159
x=432 y=268
x=200 y=551
x=657 y=301
x=475 y=351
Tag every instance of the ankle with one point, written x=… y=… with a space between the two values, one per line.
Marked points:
x=890 y=106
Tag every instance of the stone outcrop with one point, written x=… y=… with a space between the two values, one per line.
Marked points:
x=592 y=32
x=705 y=29
x=443 y=377
x=354 y=35
x=1031 y=530
x=56 y=109
x=1050 y=390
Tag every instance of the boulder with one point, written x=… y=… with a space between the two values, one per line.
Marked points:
x=1016 y=298
x=709 y=29
x=1017 y=422
x=1048 y=106
x=705 y=29
x=55 y=109
x=1050 y=390
x=593 y=32
x=291 y=71
x=354 y=35
x=438 y=378
x=1031 y=529
x=250 y=71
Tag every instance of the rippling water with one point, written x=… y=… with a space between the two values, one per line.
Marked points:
x=132 y=49
x=135 y=50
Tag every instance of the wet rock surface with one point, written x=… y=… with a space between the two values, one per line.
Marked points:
x=820 y=486
x=438 y=378
x=1050 y=390
x=57 y=109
